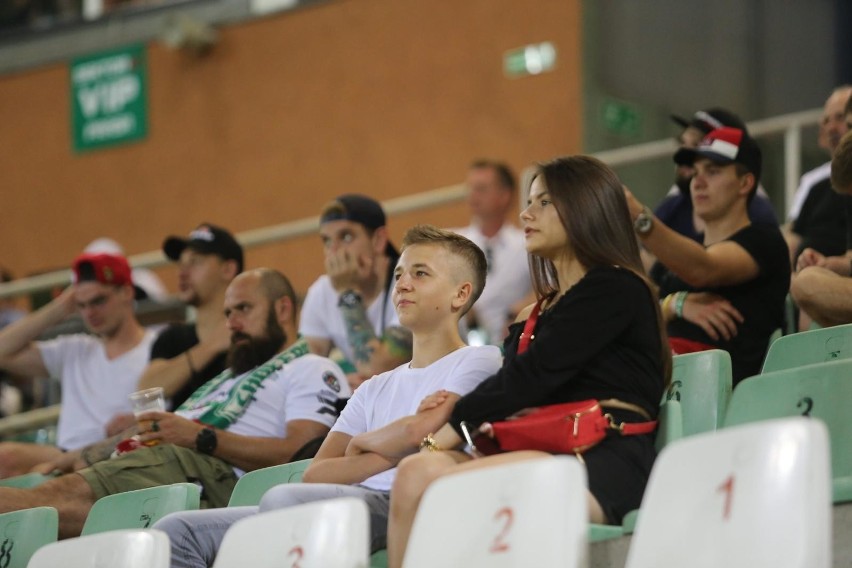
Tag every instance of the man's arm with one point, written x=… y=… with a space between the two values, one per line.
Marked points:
x=374 y=355
x=172 y=374
x=403 y=436
x=722 y=264
x=18 y=352
x=823 y=295
x=330 y=465
x=245 y=452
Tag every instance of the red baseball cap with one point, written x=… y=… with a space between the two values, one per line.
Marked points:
x=109 y=269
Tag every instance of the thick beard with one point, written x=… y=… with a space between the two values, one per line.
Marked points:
x=244 y=356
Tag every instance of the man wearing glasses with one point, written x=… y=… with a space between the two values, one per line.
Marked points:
x=97 y=371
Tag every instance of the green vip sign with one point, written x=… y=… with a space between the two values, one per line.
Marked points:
x=109 y=98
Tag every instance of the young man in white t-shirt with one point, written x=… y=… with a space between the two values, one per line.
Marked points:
x=97 y=371
x=438 y=277
x=275 y=398
x=350 y=308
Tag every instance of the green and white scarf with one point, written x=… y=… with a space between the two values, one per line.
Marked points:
x=221 y=414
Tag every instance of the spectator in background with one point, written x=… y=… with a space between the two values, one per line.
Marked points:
x=817 y=218
x=350 y=307
x=97 y=372
x=147 y=283
x=676 y=210
x=493 y=192
x=187 y=355
x=729 y=293
x=824 y=290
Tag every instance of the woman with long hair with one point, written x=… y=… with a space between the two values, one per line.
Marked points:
x=598 y=336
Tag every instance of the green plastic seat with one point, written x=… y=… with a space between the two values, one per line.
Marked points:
x=694 y=403
x=24 y=481
x=809 y=347
x=24 y=532
x=251 y=486
x=141 y=508
x=820 y=391
x=701 y=383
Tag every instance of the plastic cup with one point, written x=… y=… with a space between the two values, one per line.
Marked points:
x=146 y=401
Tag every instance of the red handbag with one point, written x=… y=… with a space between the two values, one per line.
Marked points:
x=571 y=427
x=568 y=428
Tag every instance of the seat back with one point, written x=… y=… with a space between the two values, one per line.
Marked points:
x=701 y=383
x=141 y=508
x=809 y=347
x=139 y=548
x=820 y=391
x=325 y=534
x=755 y=495
x=24 y=532
x=251 y=486
x=24 y=481
x=530 y=513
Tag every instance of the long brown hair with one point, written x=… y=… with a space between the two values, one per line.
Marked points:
x=589 y=199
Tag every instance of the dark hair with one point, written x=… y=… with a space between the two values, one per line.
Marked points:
x=589 y=199
x=741 y=170
x=504 y=174
x=462 y=247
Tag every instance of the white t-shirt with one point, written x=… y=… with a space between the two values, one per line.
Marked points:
x=306 y=388
x=807 y=181
x=508 y=280
x=94 y=388
x=321 y=316
x=397 y=393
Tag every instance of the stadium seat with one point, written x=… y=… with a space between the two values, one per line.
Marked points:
x=141 y=508
x=695 y=402
x=24 y=532
x=755 y=495
x=133 y=548
x=523 y=514
x=326 y=534
x=701 y=382
x=809 y=347
x=24 y=481
x=251 y=486
x=820 y=391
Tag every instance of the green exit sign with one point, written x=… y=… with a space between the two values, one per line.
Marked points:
x=621 y=118
x=531 y=59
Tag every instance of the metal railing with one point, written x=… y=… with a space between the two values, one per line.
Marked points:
x=790 y=125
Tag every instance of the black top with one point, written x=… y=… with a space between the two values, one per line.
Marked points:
x=174 y=341
x=760 y=301
x=600 y=341
x=822 y=220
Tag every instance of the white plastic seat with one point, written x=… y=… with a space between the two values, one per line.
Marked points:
x=532 y=513
x=134 y=548
x=757 y=495
x=326 y=534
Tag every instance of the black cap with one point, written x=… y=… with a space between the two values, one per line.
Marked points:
x=206 y=239
x=725 y=146
x=710 y=119
x=357 y=208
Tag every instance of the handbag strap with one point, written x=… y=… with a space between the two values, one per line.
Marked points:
x=529 y=327
x=634 y=428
